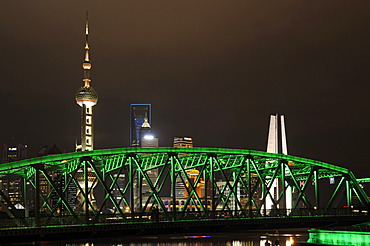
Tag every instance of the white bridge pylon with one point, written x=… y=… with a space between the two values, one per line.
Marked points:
x=277 y=123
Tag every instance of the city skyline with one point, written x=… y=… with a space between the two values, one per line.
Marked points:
x=212 y=71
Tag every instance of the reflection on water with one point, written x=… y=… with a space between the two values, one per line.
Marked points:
x=217 y=239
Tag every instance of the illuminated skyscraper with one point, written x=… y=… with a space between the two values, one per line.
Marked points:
x=51 y=195
x=184 y=142
x=147 y=139
x=277 y=130
x=14 y=152
x=273 y=137
x=199 y=188
x=118 y=190
x=86 y=98
x=138 y=113
x=12 y=186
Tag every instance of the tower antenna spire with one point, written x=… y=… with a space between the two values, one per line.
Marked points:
x=87 y=37
x=86 y=65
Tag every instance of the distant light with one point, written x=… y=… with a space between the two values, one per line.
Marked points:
x=290 y=242
x=148 y=137
x=12 y=149
x=187 y=237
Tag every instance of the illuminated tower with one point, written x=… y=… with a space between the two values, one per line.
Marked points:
x=273 y=146
x=86 y=97
x=273 y=137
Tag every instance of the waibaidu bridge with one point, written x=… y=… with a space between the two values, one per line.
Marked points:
x=138 y=190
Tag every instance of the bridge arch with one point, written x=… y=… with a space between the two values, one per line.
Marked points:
x=179 y=183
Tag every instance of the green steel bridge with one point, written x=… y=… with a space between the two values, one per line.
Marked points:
x=156 y=188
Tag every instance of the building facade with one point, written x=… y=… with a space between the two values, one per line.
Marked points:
x=183 y=142
x=12 y=186
x=147 y=139
x=274 y=145
x=14 y=152
x=138 y=113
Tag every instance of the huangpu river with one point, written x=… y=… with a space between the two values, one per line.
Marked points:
x=246 y=238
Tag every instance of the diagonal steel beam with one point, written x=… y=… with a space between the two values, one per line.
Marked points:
x=65 y=202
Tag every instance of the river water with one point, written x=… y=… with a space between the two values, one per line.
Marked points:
x=246 y=238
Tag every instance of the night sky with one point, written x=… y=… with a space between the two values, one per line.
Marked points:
x=213 y=70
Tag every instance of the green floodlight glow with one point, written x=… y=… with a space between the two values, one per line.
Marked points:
x=228 y=180
x=339 y=237
x=363 y=180
x=119 y=151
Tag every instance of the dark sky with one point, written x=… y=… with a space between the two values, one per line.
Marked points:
x=214 y=70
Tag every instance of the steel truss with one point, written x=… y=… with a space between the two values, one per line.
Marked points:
x=226 y=183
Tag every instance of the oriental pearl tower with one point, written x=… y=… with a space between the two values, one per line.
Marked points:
x=87 y=97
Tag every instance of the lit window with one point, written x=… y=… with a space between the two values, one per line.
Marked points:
x=88 y=110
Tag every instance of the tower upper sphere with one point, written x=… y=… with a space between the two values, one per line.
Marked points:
x=86 y=95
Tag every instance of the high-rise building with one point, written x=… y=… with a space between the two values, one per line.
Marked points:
x=199 y=188
x=184 y=142
x=86 y=98
x=14 y=152
x=12 y=186
x=147 y=139
x=276 y=131
x=58 y=178
x=118 y=189
x=138 y=113
x=273 y=144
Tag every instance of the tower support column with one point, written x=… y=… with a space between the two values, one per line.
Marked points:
x=87 y=128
